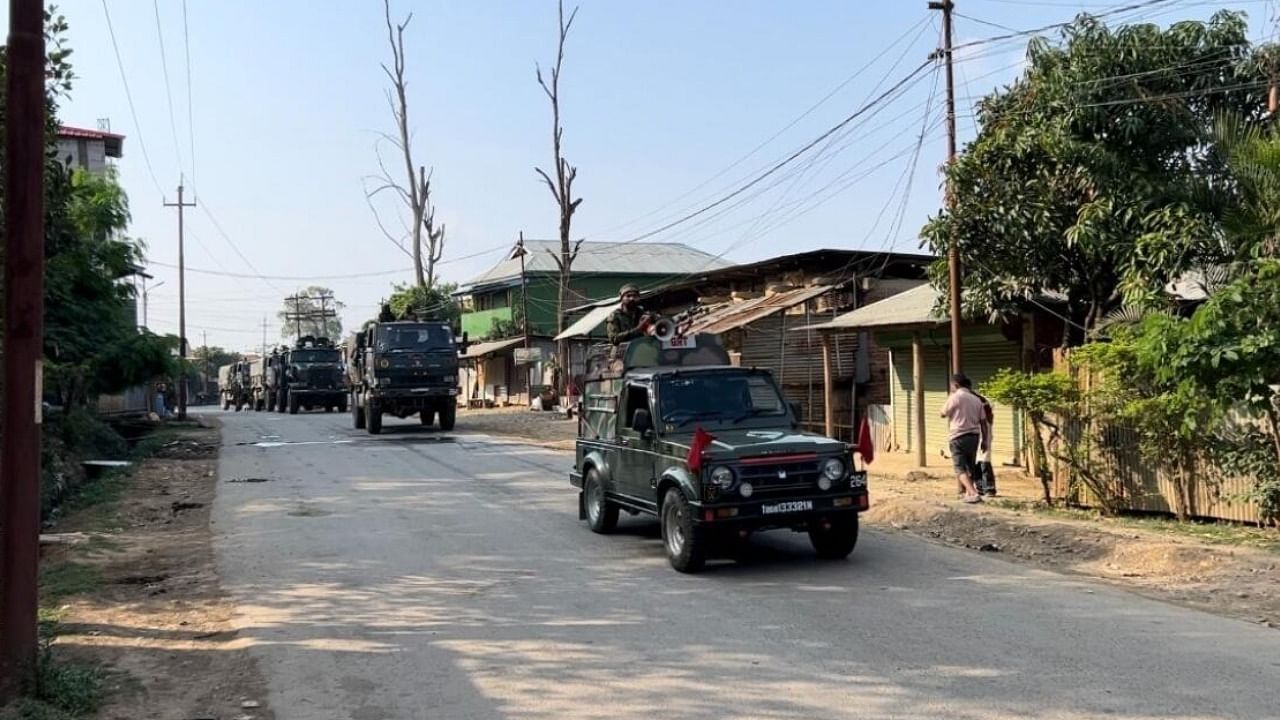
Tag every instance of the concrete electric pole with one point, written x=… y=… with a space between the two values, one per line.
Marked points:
x=953 y=251
x=182 y=308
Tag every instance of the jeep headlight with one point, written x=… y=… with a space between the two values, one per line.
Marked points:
x=832 y=470
x=722 y=476
x=746 y=489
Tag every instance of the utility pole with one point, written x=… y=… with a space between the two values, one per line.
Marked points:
x=23 y=346
x=524 y=312
x=953 y=250
x=204 y=385
x=182 y=308
x=264 y=336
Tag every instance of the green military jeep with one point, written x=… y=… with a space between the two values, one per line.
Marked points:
x=640 y=419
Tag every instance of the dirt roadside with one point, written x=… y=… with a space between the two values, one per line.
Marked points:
x=1225 y=578
x=151 y=611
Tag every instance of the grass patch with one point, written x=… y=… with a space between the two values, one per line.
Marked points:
x=63 y=579
x=1222 y=533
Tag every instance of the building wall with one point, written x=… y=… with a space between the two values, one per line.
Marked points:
x=985 y=353
x=544 y=298
x=83 y=153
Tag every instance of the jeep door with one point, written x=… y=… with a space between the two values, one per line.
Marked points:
x=633 y=472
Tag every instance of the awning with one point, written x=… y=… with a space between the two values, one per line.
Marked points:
x=586 y=324
x=479 y=350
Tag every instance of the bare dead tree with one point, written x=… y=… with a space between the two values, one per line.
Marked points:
x=427 y=240
x=562 y=186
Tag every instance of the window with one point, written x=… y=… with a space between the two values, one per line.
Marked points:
x=637 y=398
x=728 y=397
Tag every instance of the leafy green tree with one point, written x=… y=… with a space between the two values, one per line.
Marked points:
x=433 y=302
x=1091 y=177
x=311 y=312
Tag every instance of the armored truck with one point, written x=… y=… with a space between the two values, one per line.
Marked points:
x=310 y=376
x=671 y=429
x=401 y=368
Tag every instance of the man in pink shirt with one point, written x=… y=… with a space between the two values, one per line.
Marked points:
x=967 y=419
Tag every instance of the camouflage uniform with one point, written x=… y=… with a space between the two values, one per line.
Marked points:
x=624 y=326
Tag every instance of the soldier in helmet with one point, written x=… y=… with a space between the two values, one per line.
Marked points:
x=629 y=321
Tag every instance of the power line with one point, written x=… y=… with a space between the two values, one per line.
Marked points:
x=191 y=127
x=1052 y=26
x=133 y=112
x=288 y=278
x=168 y=89
x=777 y=134
x=786 y=161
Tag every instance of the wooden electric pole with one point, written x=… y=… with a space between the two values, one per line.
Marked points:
x=182 y=307
x=23 y=345
x=953 y=249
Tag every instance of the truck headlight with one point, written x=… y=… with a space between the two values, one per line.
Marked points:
x=832 y=470
x=722 y=476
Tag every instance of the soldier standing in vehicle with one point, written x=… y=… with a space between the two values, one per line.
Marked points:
x=630 y=320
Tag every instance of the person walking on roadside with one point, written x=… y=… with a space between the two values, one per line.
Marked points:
x=966 y=419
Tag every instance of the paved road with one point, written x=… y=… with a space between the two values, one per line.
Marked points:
x=428 y=575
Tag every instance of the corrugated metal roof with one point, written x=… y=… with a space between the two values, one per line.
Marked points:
x=68 y=131
x=664 y=259
x=728 y=316
x=911 y=307
x=588 y=323
x=479 y=350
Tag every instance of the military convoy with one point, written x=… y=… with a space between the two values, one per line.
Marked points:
x=401 y=368
x=672 y=429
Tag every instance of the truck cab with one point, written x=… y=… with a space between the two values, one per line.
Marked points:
x=311 y=376
x=712 y=450
x=404 y=368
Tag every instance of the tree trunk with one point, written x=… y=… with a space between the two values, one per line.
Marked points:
x=1040 y=457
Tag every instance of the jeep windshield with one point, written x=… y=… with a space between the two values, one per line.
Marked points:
x=314 y=356
x=417 y=338
x=725 y=398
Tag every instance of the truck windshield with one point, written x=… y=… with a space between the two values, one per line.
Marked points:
x=718 y=397
x=325 y=355
x=414 y=337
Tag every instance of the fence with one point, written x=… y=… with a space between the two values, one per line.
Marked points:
x=1139 y=485
x=134 y=400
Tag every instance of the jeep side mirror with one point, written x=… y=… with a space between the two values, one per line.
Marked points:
x=642 y=422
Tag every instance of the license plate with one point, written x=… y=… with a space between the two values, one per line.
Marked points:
x=787 y=507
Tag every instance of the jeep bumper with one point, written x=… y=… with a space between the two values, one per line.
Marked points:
x=781 y=512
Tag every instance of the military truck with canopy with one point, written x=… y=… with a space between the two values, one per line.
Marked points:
x=672 y=429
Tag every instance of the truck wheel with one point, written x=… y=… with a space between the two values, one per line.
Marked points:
x=282 y=401
x=428 y=417
x=838 y=540
x=271 y=402
x=448 y=417
x=226 y=404
x=602 y=515
x=686 y=543
x=328 y=408
x=357 y=414
x=293 y=404
x=372 y=417
x=342 y=404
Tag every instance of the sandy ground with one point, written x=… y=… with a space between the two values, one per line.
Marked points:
x=1232 y=580
x=159 y=621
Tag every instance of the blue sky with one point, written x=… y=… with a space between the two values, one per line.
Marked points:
x=661 y=99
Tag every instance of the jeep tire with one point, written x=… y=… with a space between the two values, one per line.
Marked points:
x=836 y=541
x=602 y=515
x=372 y=417
x=448 y=416
x=685 y=541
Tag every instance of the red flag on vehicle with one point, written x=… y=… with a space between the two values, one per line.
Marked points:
x=866 y=445
x=701 y=439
